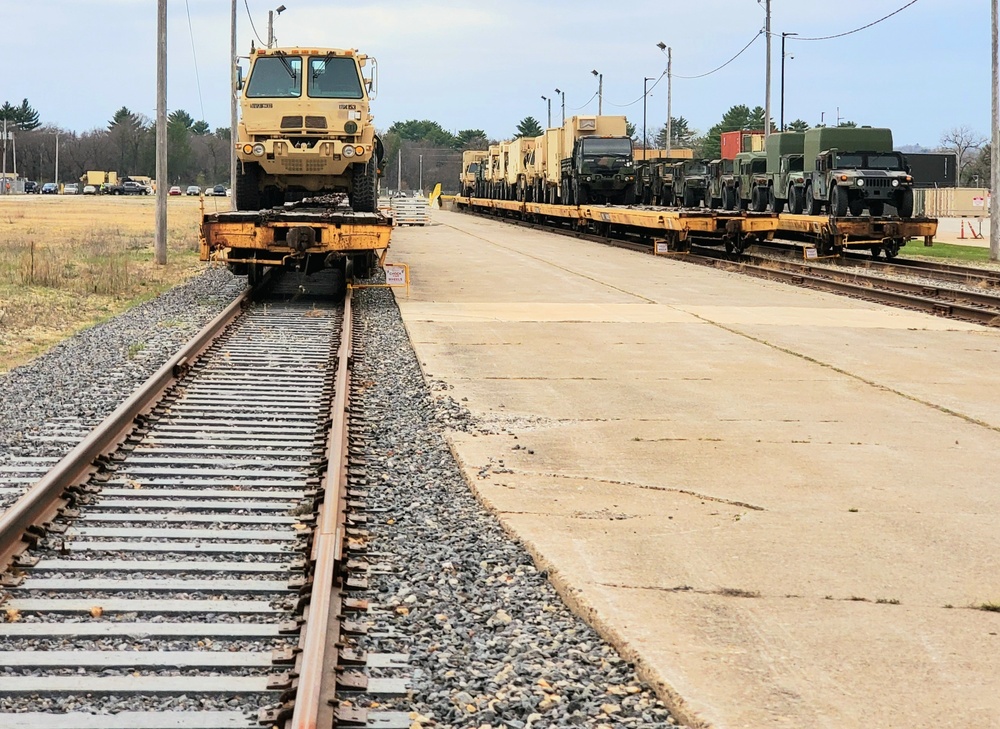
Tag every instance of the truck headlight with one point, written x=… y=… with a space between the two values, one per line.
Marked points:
x=258 y=150
x=348 y=150
x=895 y=183
x=861 y=182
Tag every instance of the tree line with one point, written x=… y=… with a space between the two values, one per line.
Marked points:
x=418 y=152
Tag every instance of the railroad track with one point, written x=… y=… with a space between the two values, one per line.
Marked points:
x=198 y=561
x=980 y=307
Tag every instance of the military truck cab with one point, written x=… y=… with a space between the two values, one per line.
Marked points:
x=858 y=170
x=721 y=183
x=750 y=185
x=601 y=170
x=472 y=160
x=305 y=128
x=690 y=183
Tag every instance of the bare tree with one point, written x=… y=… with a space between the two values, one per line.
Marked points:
x=963 y=142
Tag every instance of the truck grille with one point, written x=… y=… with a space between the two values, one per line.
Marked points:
x=292 y=165
x=315 y=165
x=878 y=182
x=291 y=122
x=315 y=122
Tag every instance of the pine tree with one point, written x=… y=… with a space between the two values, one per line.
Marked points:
x=528 y=127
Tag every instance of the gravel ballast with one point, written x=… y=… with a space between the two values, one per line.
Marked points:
x=48 y=405
x=491 y=644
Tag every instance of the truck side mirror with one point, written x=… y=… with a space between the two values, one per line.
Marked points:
x=239 y=77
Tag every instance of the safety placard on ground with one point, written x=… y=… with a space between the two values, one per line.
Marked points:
x=662 y=247
x=397 y=274
x=811 y=253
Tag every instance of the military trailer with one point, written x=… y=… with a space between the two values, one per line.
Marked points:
x=472 y=161
x=750 y=184
x=550 y=181
x=690 y=183
x=305 y=128
x=848 y=169
x=784 y=171
x=597 y=163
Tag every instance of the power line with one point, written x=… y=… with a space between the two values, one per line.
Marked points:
x=247 y=3
x=577 y=108
x=633 y=103
x=744 y=49
x=197 y=76
x=863 y=27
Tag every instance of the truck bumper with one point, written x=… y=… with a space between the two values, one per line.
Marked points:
x=324 y=157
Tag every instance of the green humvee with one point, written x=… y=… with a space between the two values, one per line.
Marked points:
x=785 y=178
x=849 y=169
x=690 y=183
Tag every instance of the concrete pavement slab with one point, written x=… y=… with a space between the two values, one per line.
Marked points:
x=780 y=503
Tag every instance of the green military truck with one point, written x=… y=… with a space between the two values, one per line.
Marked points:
x=690 y=183
x=785 y=178
x=848 y=169
x=750 y=184
x=721 y=184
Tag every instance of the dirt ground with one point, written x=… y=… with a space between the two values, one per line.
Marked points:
x=68 y=262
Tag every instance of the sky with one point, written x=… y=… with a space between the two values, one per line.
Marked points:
x=486 y=65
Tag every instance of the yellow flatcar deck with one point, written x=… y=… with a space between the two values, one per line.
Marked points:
x=837 y=233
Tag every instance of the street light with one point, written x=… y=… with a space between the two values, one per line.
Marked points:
x=783 y=36
x=600 y=92
x=670 y=62
x=270 y=23
x=563 y=93
x=645 y=82
x=548 y=103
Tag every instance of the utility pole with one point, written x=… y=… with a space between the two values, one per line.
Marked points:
x=645 y=82
x=399 y=172
x=57 y=162
x=563 y=93
x=160 y=254
x=670 y=72
x=781 y=126
x=600 y=92
x=270 y=24
x=995 y=147
x=548 y=103
x=3 y=177
x=767 y=72
x=420 y=174
x=233 y=91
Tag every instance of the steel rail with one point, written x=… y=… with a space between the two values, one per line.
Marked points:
x=317 y=663
x=43 y=501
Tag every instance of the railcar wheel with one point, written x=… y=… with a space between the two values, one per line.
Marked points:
x=891 y=249
x=876 y=251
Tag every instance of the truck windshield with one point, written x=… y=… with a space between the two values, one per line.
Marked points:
x=697 y=169
x=334 y=78
x=607 y=147
x=275 y=77
x=884 y=162
x=473 y=168
x=849 y=160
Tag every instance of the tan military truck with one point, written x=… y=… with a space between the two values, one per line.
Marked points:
x=521 y=157
x=305 y=128
x=472 y=161
x=596 y=161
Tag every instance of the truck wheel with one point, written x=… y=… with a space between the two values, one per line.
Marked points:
x=838 y=201
x=856 y=206
x=690 y=198
x=628 y=198
x=247 y=186
x=774 y=203
x=876 y=207
x=760 y=198
x=813 y=206
x=364 y=197
x=904 y=204
x=795 y=201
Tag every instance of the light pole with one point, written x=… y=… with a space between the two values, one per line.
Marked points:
x=233 y=91
x=270 y=23
x=767 y=72
x=57 y=163
x=783 y=36
x=670 y=72
x=563 y=94
x=420 y=173
x=600 y=92
x=995 y=146
x=645 y=82
x=548 y=102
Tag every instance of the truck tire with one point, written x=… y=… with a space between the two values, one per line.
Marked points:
x=904 y=203
x=856 y=206
x=812 y=206
x=876 y=208
x=690 y=198
x=758 y=199
x=838 y=201
x=364 y=196
x=795 y=201
x=247 y=186
x=776 y=204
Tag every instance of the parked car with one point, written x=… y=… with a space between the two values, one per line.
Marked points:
x=89 y=190
x=193 y=190
x=130 y=187
x=30 y=187
x=50 y=188
x=71 y=189
x=219 y=191
x=175 y=190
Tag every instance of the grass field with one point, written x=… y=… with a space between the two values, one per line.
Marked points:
x=67 y=263
x=947 y=251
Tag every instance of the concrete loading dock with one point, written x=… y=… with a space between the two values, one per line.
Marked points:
x=780 y=503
